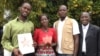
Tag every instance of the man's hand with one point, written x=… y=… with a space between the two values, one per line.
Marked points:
x=17 y=52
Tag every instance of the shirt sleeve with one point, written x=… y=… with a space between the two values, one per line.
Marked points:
x=54 y=36
x=35 y=35
x=54 y=25
x=75 y=27
x=6 y=38
x=32 y=24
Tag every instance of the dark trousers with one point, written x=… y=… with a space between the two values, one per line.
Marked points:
x=1 y=51
x=64 y=54
x=31 y=54
x=83 y=54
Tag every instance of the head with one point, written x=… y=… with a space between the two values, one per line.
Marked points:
x=25 y=9
x=85 y=18
x=44 y=20
x=62 y=12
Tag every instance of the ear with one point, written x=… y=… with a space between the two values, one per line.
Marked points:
x=57 y=13
x=67 y=10
x=90 y=19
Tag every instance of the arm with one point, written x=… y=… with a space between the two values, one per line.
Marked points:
x=35 y=37
x=75 y=37
x=76 y=43
x=54 y=45
x=6 y=38
x=54 y=38
x=98 y=42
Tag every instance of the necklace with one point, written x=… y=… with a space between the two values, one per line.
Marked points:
x=45 y=30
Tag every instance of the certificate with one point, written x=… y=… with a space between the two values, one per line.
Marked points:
x=25 y=43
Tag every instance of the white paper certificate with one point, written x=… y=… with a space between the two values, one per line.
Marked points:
x=25 y=42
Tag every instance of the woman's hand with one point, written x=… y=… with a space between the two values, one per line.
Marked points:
x=54 y=44
x=42 y=45
x=51 y=44
x=34 y=44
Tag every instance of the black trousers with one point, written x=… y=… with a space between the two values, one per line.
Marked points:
x=30 y=54
x=64 y=54
x=83 y=54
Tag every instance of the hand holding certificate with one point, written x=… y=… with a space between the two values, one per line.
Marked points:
x=25 y=42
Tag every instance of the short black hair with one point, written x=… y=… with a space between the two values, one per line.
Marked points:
x=40 y=16
x=63 y=5
x=86 y=12
x=25 y=2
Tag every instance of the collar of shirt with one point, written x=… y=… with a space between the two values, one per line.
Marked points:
x=17 y=19
x=85 y=27
x=63 y=20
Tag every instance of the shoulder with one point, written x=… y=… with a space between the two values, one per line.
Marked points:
x=56 y=22
x=73 y=20
x=37 y=29
x=52 y=29
x=30 y=22
x=10 y=22
x=95 y=27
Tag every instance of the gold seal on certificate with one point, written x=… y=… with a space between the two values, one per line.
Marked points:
x=25 y=43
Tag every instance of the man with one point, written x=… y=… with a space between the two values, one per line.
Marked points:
x=89 y=35
x=67 y=32
x=17 y=26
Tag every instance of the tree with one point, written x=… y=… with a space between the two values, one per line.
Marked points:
x=50 y=7
x=13 y=5
x=96 y=12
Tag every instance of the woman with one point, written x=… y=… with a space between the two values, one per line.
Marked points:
x=45 y=38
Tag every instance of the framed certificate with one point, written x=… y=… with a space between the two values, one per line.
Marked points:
x=25 y=43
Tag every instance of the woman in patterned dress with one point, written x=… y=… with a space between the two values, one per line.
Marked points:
x=45 y=37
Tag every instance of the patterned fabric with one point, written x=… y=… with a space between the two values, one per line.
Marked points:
x=45 y=51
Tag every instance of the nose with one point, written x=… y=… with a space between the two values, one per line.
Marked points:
x=44 y=20
x=62 y=11
x=26 y=10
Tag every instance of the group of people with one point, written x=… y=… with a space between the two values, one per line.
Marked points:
x=66 y=38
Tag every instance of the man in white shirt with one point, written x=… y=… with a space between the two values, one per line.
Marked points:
x=63 y=37
x=89 y=36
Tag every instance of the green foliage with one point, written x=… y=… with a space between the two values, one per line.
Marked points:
x=50 y=7
x=78 y=6
x=96 y=12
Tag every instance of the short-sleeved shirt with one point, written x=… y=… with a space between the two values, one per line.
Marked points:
x=60 y=28
x=41 y=36
x=12 y=29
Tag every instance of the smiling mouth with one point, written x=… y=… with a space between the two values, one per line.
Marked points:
x=24 y=13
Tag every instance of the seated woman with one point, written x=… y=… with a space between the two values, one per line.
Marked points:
x=45 y=37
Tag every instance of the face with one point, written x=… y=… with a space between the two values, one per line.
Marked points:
x=44 y=21
x=85 y=18
x=62 y=11
x=25 y=9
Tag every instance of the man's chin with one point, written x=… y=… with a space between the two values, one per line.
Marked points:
x=85 y=24
x=24 y=15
